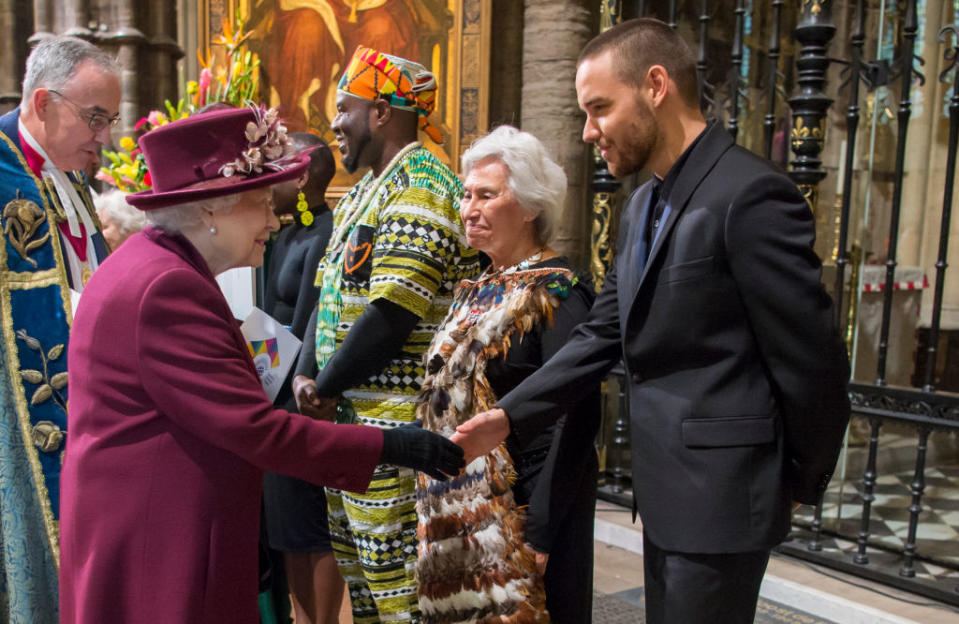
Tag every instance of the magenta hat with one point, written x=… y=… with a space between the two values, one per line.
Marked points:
x=217 y=153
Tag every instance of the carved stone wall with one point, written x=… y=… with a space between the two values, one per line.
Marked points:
x=141 y=34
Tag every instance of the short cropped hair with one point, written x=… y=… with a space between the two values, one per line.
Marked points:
x=54 y=61
x=535 y=180
x=175 y=219
x=322 y=165
x=638 y=44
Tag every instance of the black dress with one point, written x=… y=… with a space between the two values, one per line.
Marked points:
x=558 y=482
x=295 y=511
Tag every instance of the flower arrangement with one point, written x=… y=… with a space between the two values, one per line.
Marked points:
x=233 y=80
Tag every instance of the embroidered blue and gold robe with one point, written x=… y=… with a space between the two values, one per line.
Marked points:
x=36 y=314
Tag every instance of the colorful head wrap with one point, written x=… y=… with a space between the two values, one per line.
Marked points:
x=406 y=85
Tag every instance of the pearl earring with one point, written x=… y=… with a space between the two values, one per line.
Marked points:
x=212 y=229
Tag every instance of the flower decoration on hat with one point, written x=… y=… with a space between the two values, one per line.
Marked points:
x=268 y=146
x=218 y=152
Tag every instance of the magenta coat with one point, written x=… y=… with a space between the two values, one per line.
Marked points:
x=169 y=435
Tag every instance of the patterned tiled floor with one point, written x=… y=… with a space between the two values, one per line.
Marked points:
x=937 y=535
x=627 y=607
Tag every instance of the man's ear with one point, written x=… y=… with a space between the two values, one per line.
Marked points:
x=40 y=101
x=656 y=85
x=382 y=112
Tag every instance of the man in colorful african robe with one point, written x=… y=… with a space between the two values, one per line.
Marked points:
x=52 y=243
x=396 y=252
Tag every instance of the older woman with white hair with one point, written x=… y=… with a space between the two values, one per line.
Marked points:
x=480 y=554
x=119 y=220
x=170 y=430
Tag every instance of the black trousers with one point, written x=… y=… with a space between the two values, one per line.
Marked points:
x=569 y=572
x=689 y=588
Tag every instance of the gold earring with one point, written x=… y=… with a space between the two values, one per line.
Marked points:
x=306 y=217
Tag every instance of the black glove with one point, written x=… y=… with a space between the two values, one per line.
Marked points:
x=411 y=446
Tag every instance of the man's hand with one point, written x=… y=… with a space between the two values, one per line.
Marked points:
x=309 y=403
x=541 y=560
x=482 y=433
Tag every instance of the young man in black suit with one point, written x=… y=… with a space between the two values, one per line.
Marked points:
x=737 y=377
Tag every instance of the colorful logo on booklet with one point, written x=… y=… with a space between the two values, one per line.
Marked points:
x=265 y=353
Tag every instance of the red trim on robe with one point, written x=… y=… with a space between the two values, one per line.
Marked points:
x=79 y=244
x=34 y=160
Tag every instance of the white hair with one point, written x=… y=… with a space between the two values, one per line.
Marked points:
x=54 y=61
x=113 y=205
x=535 y=180
x=175 y=219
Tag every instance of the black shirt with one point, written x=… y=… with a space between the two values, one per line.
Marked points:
x=661 y=191
x=290 y=295
x=547 y=480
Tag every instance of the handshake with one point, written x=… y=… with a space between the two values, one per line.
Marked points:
x=412 y=446
x=438 y=457
x=408 y=445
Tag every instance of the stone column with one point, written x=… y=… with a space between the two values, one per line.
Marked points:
x=506 y=64
x=925 y=160
x=554 y=32
x=164 y=52
x=119 y=32
x=16 y=24
x=75 y=19
x=44 y=12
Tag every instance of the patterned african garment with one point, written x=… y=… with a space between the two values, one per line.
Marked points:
x=474 y=563
x=396 y=237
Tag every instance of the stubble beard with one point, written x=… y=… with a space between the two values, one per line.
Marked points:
x=639 y=144
x=352 y=162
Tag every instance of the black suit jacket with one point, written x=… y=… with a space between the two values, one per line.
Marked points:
x=737 y=377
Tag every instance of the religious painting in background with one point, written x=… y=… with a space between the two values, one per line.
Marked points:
x=304 y=45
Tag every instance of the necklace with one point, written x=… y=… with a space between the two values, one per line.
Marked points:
x=363 y=200
x=522 y=265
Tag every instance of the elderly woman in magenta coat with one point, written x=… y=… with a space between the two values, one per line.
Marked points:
x=170 y=431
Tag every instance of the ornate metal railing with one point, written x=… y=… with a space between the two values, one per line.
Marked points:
x=850 y=529
x=866 y=546
x=772 y=79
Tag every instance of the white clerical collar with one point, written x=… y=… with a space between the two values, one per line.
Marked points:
x=72 y=204
x=32 y=142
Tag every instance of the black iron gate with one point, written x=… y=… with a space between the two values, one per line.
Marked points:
x=877 y=520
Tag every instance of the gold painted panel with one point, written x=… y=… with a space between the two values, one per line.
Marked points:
x=303 y=46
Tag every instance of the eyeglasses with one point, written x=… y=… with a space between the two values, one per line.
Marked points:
x=96 y=121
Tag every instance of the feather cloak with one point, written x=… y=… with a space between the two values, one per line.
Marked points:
x=474 y=564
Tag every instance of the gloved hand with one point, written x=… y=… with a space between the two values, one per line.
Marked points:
x=411 y=446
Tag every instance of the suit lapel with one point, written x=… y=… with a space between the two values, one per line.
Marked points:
x=701 y=160
x=629 y=262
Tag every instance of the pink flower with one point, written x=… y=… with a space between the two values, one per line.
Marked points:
x=206 y=77
x=156 y=119
x=143 y=121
